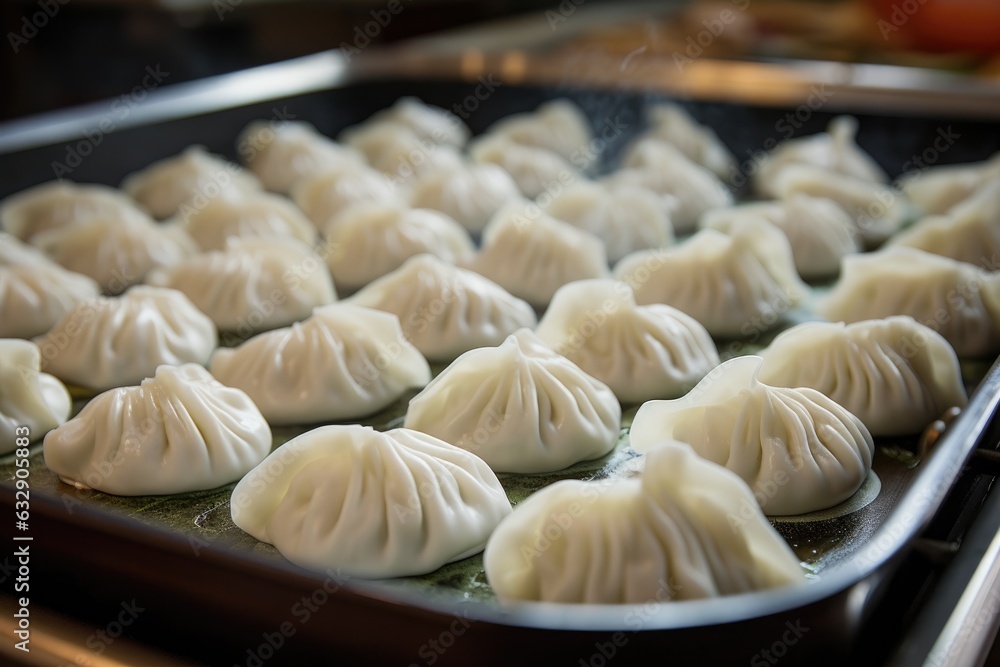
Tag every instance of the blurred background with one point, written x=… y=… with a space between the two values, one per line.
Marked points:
x=58 y=53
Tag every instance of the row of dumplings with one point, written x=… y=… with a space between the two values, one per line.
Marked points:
x=513 y=399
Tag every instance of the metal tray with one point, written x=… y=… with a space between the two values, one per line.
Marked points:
x=178 y=559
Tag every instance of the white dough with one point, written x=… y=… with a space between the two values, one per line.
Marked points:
x=640 y=352
x=531 y=254
x=332 y=191
x=35 y=291
x=344 y=362
x=426 y=121
x=669 y=534
x=370 y=504
x=958 y=300
x=116 y=341
x=819 y=231
x=253 y=285
x=535 y=170
x=402 y=155
x=671 y=123
x=627 y=218
x=797 y=449
x=734 y=285
x=367 y=241
x=520 y=406
x=255 y=215
x=471 y=194
x=936 y=190
x=172 y=185
x=178 y=431
x=32 y=403
x=445 y=310
x=58 y=203
x=895 y=375
x=559 y=126
x=282 y=153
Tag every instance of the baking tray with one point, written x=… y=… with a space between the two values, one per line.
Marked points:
x=196 y=580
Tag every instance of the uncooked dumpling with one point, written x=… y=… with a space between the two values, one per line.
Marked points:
x=32 y=403
x=671 y=123
x=470 y=194
x=58 y=203
x=333 y=190
x=935 y=190
x=535 y=170
x=250 y=216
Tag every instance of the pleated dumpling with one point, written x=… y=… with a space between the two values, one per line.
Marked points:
x=370 y=504
x=445 y=310
x=668 y=535
x=470 y=194
x=535 y=170
x=35 y=291
x=835 y=150
x=32 y=403
x=659 y=166
x=367 y=241
x=640 y=352
x=116 y=252
x=519 y=406
x=58 y=203
x=330 y=192
x=115 y=341
x=187 y=180
x=958 y=300
x=797 y=449
x=178 y=431
x=671 y=123
x=253 y=285
x=818 y=230
x=895 y=375
x=627 y=218
x=282 y=153
x=344 y=362
x=935 y=190
x=559 y=126
x=250 y=216
x=424 y=120
x=969 y=232
x=735 y=285
x=401 y=155
x=531 y=254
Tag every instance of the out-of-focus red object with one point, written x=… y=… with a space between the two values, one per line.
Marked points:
x=970 y=26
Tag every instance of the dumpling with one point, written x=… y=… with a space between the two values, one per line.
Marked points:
x=640 y=352
x=969 y=232
x=424 y=120
x=178 y=431
x=57 y=203
x=670 y=533
x=35 y=291
x=671 y=123
x=935 y=190
x=818 y=230
x=281 y=154
x=559 y=126
x=370 y=504
x=958 y=300
x=116 y=252
x=739 y=284
x=445 y=310
x=895 y=375
x=470 y=194
x=251 y=216
x=368 y=241
x=535 y=170
x=877 y=210
x=253 y=285
x=115 y=341
x=520 y=406
x=332 y=191
x=344 y=362
x=402 y=155
x=531 y=254
x=659 y=166
x=797 y=449
x=626 y=218
x=187 y=180
x=32 y=403
x=833 y=151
